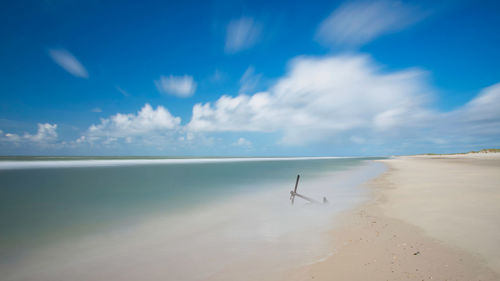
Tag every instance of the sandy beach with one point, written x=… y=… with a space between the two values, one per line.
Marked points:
x=429 y=218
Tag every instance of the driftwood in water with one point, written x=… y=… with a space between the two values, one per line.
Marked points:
x=294 y=193
x=303 y=197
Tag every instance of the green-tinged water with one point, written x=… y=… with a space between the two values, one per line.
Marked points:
x=41 y=205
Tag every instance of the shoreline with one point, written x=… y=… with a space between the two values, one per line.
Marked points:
x=396 y=236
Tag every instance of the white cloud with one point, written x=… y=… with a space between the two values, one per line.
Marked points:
x=180 y=86
x=147 y=123
x=322 y=97
x=68 y=62
x=348 y=99
x=46 y=134
x=97 y=110
x=242 y=34
x=241 y=113
x=342 y=100
x=243 y=142
x=333 y=100
x=357 y=22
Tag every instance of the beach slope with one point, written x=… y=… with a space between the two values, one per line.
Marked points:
x=429 y=218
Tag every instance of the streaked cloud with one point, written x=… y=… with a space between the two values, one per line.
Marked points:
x=479 y=117
x=68 y=62
x=122 y=91
x=357 y=22
x=97 y=110
x=242 y=34
x=249 y=80
x=180 y=86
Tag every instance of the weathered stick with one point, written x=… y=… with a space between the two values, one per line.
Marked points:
x=294 y=193
x=303 y=197
x=295 y=190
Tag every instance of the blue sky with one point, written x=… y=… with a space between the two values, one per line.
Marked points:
x=248 y=77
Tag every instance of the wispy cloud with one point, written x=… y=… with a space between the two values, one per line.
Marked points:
x=242 y=34
x=358 y=22
x=68 y=62
x=122 y=91
x=218 y=76
x=97 y=110
x=180 y=86
x=478 y=117
x=249 y=80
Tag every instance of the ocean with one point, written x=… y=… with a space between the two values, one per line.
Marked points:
x=169 y=218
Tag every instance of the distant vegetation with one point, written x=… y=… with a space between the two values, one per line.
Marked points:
x=486 y=150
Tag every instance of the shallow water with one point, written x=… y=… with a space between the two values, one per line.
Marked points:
x=172 y=220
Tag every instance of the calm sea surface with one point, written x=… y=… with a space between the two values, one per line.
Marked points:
x=47 y=200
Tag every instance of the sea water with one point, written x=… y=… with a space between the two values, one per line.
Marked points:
x=169 y=218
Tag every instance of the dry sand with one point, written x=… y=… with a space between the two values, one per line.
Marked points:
x=430 y=218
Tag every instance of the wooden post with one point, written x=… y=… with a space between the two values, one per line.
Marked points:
x=295 y=189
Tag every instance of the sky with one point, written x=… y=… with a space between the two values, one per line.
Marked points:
x=249 y=78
